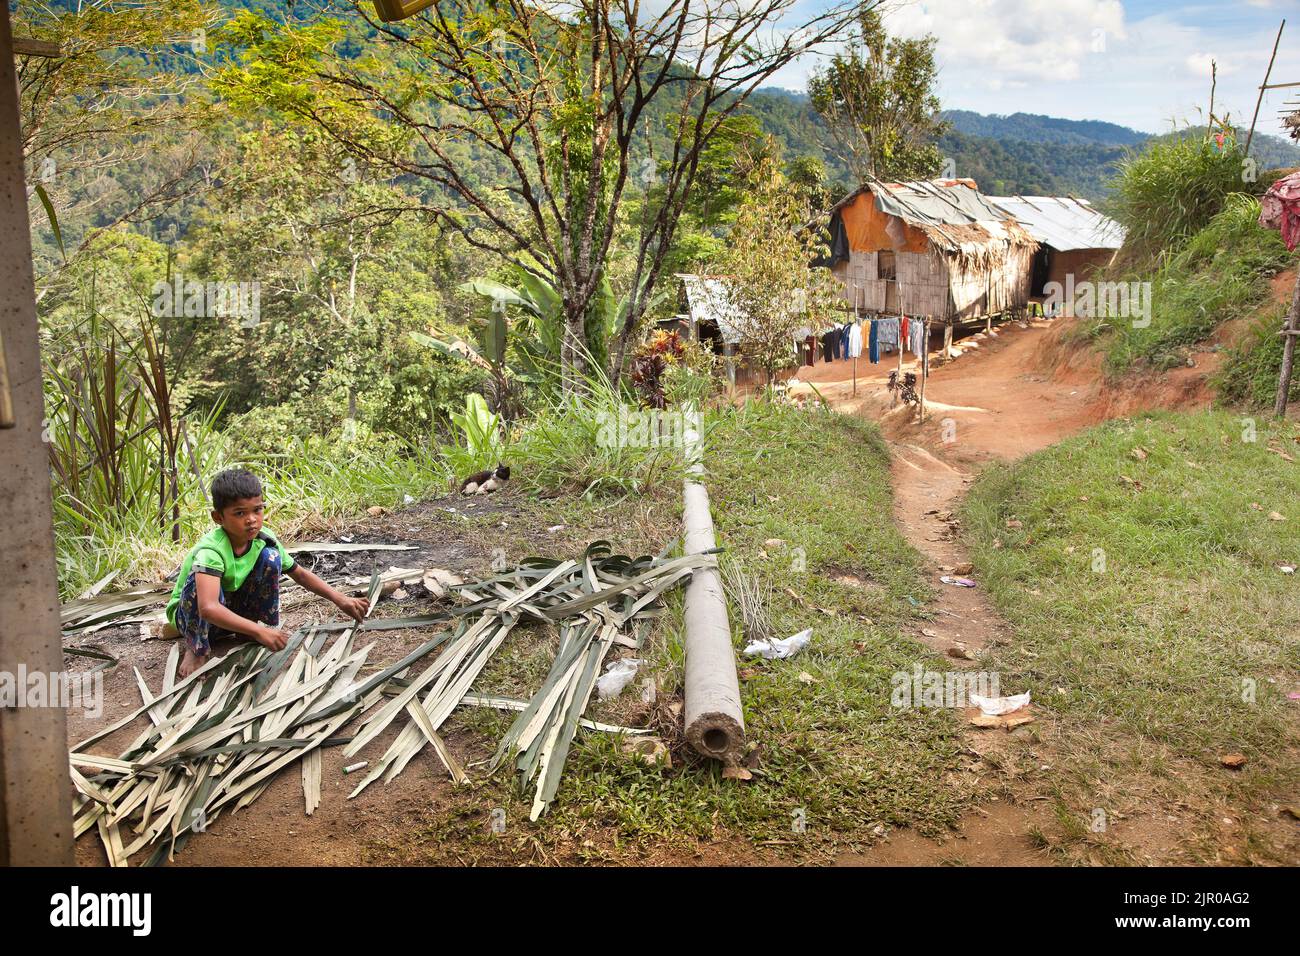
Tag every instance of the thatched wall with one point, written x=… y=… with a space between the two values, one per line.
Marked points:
x=944 y=271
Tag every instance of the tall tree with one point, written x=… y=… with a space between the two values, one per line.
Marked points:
x=532 y=123
x=766 y=282
x=878 y=100
x=110 y=126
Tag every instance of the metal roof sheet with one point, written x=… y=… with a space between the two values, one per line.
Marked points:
x=1062 y=223
x=709 y=300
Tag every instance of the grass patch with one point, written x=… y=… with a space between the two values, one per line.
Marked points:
x=1253 y=368
x=829 y=746
x=1149 y=611
x=1221 y=273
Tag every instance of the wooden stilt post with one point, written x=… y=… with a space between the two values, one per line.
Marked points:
x=1290 y=332
x=900 y=347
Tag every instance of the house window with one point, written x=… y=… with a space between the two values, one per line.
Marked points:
x=886 y=266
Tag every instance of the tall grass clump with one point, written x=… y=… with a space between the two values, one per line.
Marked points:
x=1171 y=190
x=597 y=442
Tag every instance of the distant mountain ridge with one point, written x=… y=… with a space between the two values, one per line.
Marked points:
x=1035 y=128
x=1018 y=153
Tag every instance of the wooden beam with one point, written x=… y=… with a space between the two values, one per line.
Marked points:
x=1259 y=102
x=29 y=46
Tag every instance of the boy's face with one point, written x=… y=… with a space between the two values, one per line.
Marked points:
x=242 y=519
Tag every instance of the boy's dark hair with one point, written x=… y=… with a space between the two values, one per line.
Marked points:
x=231 y=485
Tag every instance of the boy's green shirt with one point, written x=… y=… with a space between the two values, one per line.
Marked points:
x=215 y=555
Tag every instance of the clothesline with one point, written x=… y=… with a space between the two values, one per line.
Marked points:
x=885 y=334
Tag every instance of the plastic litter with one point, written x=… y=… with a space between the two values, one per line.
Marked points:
x=997 y=706
x=616 y=677
x=960 y=582
x=779 y=650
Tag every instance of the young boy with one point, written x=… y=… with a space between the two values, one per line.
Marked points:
x=229 y=584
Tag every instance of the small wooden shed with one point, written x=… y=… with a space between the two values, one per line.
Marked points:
x=934 y=248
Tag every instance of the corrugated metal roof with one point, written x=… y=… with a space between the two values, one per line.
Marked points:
x=709 y=300
x=1062 y=223
x=953 y=213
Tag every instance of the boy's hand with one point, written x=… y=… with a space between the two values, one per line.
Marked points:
x=271 y=637
x=353 y=607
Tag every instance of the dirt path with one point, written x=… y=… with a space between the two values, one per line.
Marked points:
x=988 y=404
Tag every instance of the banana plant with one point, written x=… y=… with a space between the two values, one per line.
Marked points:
x=481 y=429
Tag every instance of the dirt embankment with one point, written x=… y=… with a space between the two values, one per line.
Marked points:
x=1069 y=361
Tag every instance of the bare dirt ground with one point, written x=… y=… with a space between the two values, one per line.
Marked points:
x=1005 y=395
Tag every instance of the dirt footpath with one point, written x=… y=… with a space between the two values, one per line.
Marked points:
x=1006 y=394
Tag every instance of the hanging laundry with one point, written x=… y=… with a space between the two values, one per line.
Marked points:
x=889 y=334
x=810 y=350
x=918 y=330
x=903 y=338
x=873 y=347
x=844 y=339
x=855 y=340
x=831 y=345
x=1280 y=209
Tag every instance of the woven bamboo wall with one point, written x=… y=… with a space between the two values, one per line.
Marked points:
x=923 y=284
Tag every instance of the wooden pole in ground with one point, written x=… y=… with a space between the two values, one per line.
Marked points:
x=1214 y=82
x=925 y=365
x=35 y=789
x=1263 y=87
x=1289 y=332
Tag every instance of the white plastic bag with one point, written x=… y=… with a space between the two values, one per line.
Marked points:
x=616 y=677
x=997 y=706
x=777 y=650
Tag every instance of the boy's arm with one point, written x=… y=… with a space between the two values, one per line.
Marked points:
x=214 y=612
x=354 y=608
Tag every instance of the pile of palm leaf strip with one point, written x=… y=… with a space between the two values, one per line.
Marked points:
x=597 y=601
x=218 y=738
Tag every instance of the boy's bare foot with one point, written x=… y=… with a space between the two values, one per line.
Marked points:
x=192 y=662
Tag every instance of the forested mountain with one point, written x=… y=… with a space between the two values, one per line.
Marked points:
x=1034 y=128
x=1021 y=153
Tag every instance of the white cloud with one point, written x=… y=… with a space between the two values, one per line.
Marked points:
x=1200 y=64
x=1006 y=39
x=1090 y=59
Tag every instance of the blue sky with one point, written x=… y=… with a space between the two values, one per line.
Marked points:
x=1140 y=63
